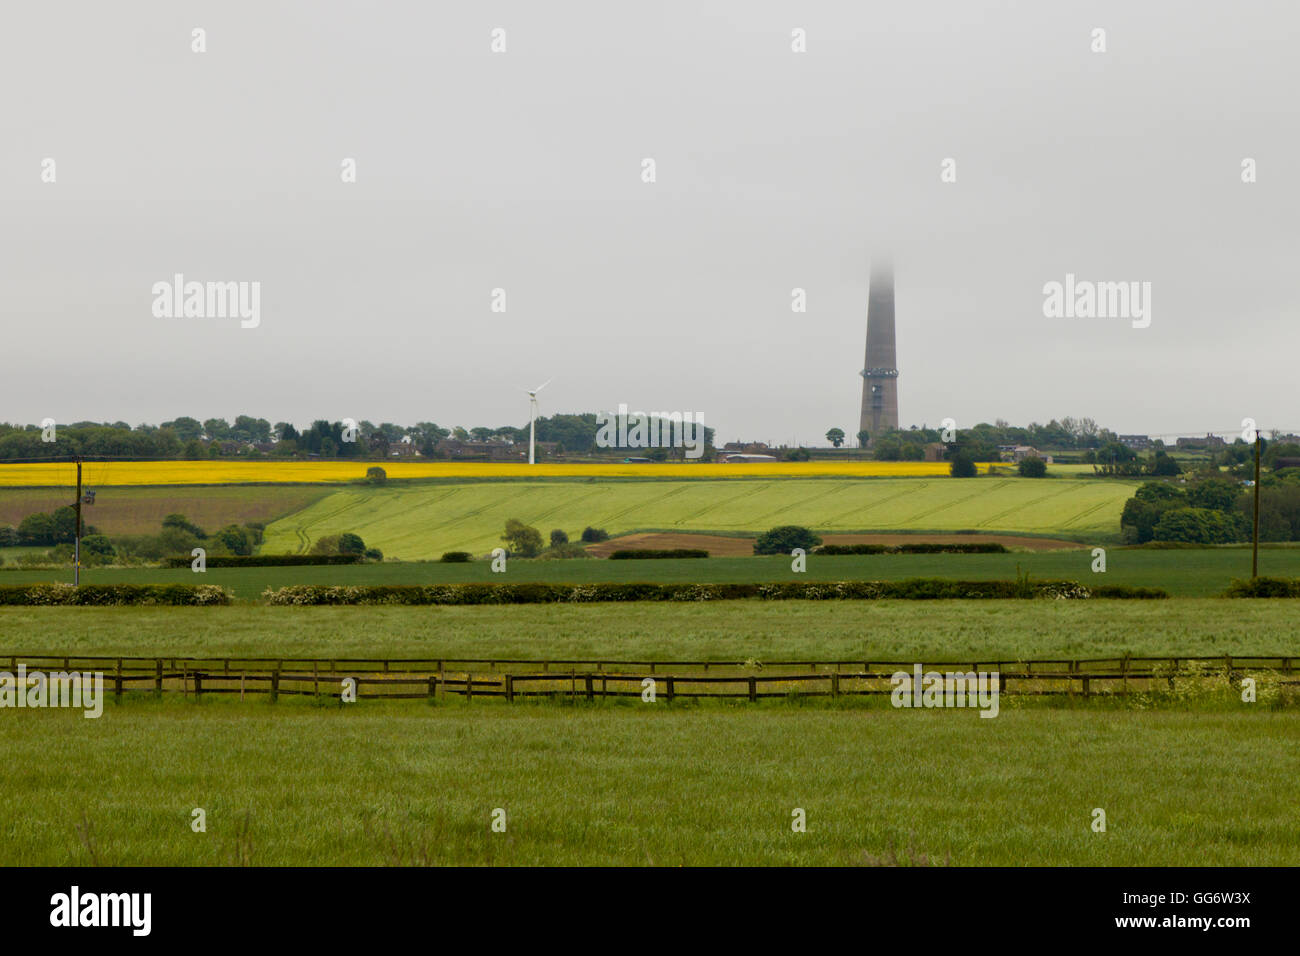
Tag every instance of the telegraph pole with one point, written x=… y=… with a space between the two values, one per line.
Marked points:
x=1254 y=554
x=77 y=532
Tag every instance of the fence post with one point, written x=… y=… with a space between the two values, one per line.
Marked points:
x=157 y=677
x=590 y=693
x=117 y=682
x=433 y=687
x=668 y=682
x=835 y=683
x=198 y=685
x=275 y=685
x=510 y=689
x=753 y=688
x=469 y=686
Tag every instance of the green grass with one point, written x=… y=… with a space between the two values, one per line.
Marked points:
x=141 y=510
x=422 y=521
x=391 y=784
x=1201 y=572
x=726 y=630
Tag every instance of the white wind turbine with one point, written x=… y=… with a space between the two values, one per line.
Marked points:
x=532 y=420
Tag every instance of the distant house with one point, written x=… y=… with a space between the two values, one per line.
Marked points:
x=1020 y=452
x=492 y=450
x=1136 y=442
x=1209 y=441
x=1280 y=463
x=742 y=459
x=746 y=447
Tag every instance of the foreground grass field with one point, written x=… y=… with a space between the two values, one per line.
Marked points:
x=387 y=784
x=422 y=521
x=725 y=630
x=1192 y=572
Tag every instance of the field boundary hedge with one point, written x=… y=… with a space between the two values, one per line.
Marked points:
x=192 y=595
x=1264 y=588
x=632 y=554
x=537 y=593
x=924 y=547
x=266 y=560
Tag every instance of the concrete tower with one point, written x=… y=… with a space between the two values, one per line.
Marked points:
x=880 y=377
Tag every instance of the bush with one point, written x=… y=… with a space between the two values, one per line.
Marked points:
x=374 y=554
x=785 y=539
x=182 y=523
x=1032 y=467
x=631 y=554
x=456 y=557
x=116 y=594
x=234 y=539
x=592 y=535
x=376 y=475
x=558 y=537
x=962 y=466
x=566 y=551
x=1264 y=588
x=8 y=536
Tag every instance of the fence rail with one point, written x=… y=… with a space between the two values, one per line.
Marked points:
x=428 y=678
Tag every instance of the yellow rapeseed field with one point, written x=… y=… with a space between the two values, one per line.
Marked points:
x=325 y=472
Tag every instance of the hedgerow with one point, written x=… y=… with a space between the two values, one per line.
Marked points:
x=915 y=589
x=193 y=595
x=266 y=560
x=923 y=547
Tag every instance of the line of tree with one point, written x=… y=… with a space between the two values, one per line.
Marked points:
x=189 y=438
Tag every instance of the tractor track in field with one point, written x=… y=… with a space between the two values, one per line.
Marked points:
x=836 y=519
x=1021 y=506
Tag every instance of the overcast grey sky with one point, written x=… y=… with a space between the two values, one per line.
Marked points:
x=775 y=170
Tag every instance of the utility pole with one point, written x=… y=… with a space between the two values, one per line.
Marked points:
x=1254 y=554
x=77 y=532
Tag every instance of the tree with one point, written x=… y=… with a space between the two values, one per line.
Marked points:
x=592 y=535
x=36 y=529
x=558 y=537
x=864 y=436
x=1216 y=494
x=785 y=539
x=835 y=436
x=1165 y=465
x=1032 y=467
x=234 y=539
x=962 y=466
x=376 y=475
x=521 y=539
x=351 y=543
x=1202 y=526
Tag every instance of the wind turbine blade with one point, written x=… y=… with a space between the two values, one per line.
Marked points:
x=543 y=385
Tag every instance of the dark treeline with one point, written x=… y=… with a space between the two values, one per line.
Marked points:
x=248 y=437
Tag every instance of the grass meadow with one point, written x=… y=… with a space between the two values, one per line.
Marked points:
x=1201 y=572
x=722 y=630
x=291 y=784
